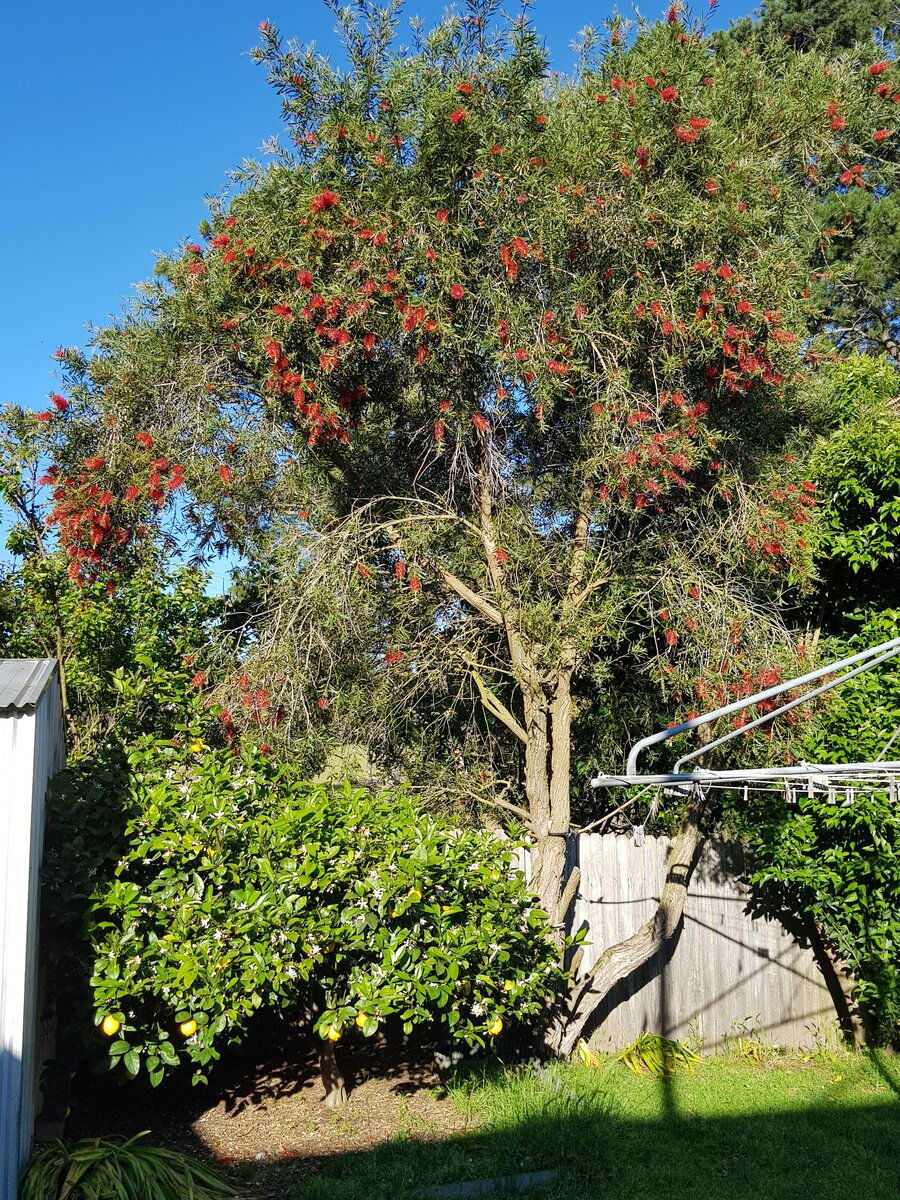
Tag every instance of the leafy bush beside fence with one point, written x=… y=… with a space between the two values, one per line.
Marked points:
x=243 y=887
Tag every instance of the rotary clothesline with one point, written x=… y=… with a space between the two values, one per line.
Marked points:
x=834 y=780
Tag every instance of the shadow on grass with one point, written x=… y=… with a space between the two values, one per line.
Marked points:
x=607 y=1134
x=821 y=1152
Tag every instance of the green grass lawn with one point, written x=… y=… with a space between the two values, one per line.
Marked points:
x=730 y=1129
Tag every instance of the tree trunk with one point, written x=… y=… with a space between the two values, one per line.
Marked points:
x=619 y=961
x=332 y=1079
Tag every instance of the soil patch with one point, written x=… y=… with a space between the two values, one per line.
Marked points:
x=265 y=1104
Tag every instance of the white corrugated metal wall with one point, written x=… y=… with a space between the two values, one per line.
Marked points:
x=32 y=750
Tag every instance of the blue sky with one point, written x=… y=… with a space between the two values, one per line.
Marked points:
x=118 y=119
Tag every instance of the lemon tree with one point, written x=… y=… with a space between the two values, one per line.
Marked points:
x=244 y=887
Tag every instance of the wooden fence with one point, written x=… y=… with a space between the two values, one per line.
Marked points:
x=730 y=971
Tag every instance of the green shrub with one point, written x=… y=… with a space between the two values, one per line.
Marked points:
x=243 y=887
x=111 y=1169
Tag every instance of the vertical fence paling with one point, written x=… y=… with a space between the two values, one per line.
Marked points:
x=731 y=971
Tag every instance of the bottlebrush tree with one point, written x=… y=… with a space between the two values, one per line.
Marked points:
x=494 y=376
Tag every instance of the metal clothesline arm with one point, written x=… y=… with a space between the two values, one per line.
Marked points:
x=860 y=773
x=885 y=649
x=776 y=712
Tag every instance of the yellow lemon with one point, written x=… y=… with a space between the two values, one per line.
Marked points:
x=110 y=1026
x=361 y=1019
x=497 y=1026
x=333 y=1033
x=188 y=1028
x=414 y=894
x=445 y=908
x=198 y=746
x=509 y=985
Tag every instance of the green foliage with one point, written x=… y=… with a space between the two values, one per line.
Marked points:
x=861 y=719
x=657 y=1055
x=115 y=1169
x=835 y=859
x=243 y=887
x=857 y=467
x=822 y=24
x=840 y=864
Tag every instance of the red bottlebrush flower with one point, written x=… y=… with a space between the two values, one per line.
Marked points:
x=415 y=584
x=685 y=135
x=59 y=402
x=195 y=249
x=615 y=83
x=322 y=702
x=199 y=679
x=694 y=592
x=97 y=463
x=669 y=94
x=442 y=215
x=671 y=637
x=196 y=268
x=711 y=187
x=224 y=473
x=143 y=439
x=457 y=291
x=601 y=99
x=323 y=201
x=439 y=431
x=480 y=423
x=663 y=614
x=400 y=570
x=650 y=81
x=879 y=68
x=221 y=239
x=744 y=306
x=459 y=114
x=60 y=352
x=541 y=119
x=444 y=405
x=265 y=749
x=230 y=222
x=880 y=134
x=701 y=267
x=690 y=625
x=501 y=555
x=698 y=122
x=131 y=493
x=580 y=312
x=464 y=89
x=363 y=570
x=724 y=272
x=838 y=122
x=43 y=416
x=808 y=486
x=672 y=14
x=643 y=157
